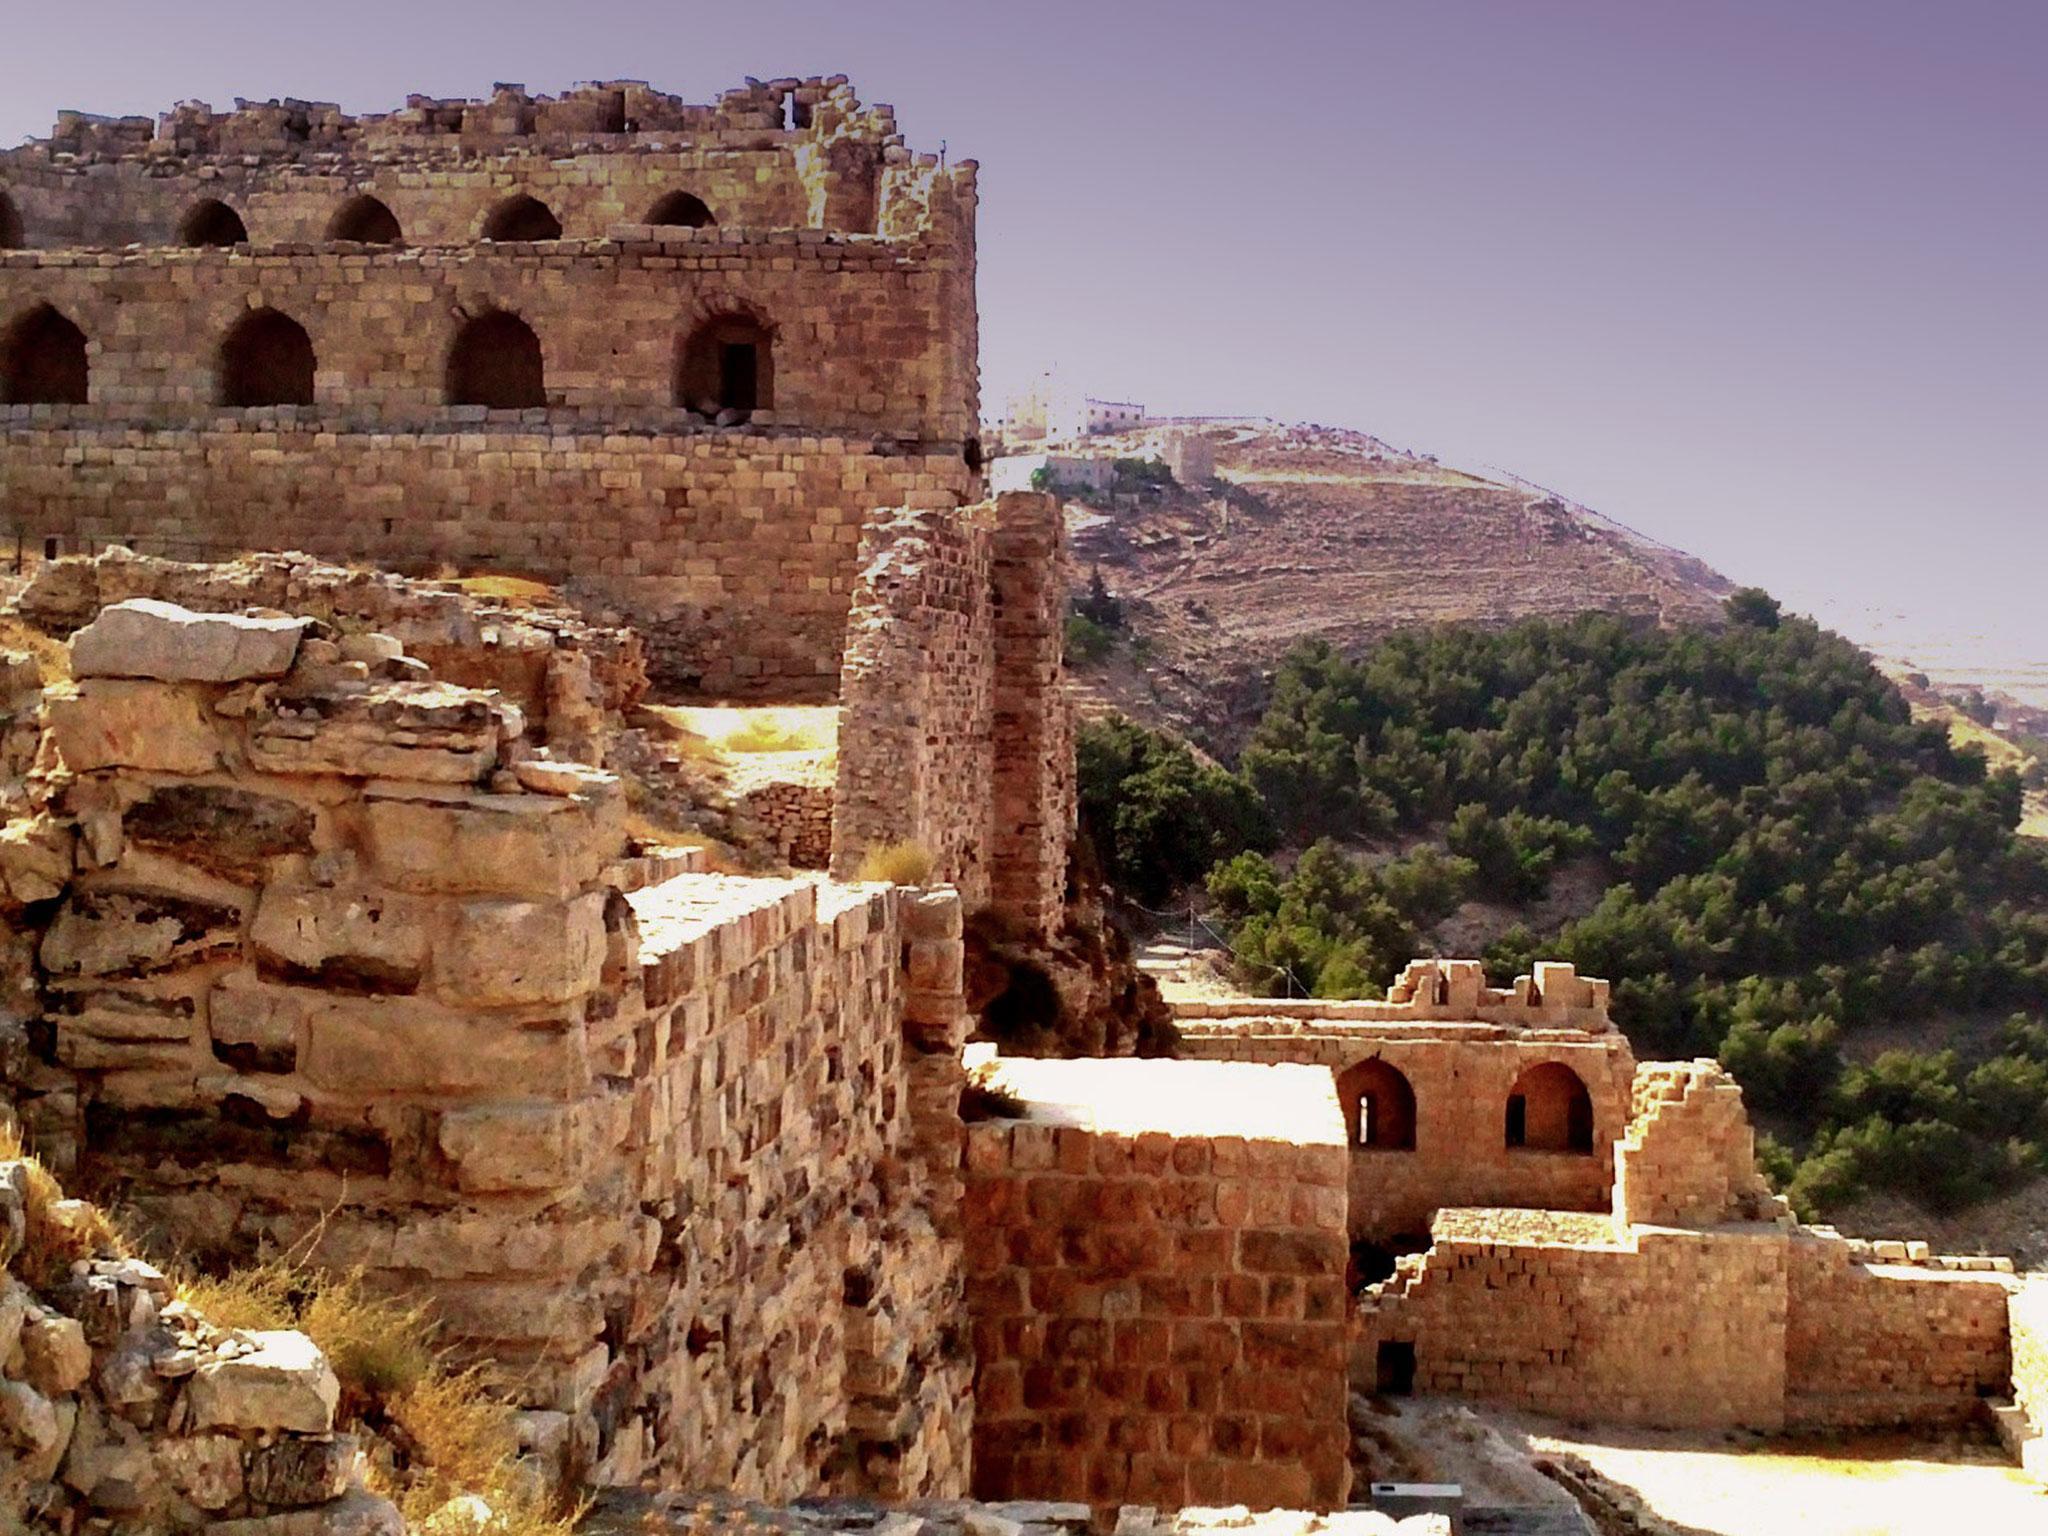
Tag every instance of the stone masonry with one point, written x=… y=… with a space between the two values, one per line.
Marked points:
x=672 y=352
x=1156 y=1251
x=324 y=950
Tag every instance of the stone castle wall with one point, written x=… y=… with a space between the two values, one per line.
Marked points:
x=737 y=549
x=731 y=531
x=1159 y=1313
x=955 y=731
x=319 y=952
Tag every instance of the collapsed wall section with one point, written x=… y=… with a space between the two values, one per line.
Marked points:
x=1697 y=1303
x=318 y=953
x=1156 y=1254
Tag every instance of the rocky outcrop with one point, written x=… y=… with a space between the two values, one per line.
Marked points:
x=121 y=1408
x=570 y=677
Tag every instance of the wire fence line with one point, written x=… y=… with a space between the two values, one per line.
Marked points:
x=1198 y=924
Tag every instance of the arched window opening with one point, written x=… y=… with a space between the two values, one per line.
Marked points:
x=727 y=368
x=496 y=362
x=522 y=218
x=213 y=223
x=681 y=210
x=1379 y=1106
x=1549 y=1110
x=267 y=359
x=366 y=221
x=11 y=238
x=42 y=361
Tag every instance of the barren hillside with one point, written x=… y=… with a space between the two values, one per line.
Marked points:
x=1310 y=531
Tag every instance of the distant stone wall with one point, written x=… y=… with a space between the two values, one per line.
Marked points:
x=955 y=732
x=737 y=550
x=1711 y=1308
x=316 y=950
x=1159 y=1317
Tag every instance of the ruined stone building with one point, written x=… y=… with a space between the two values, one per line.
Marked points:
x=673 y=352
x=322 y=925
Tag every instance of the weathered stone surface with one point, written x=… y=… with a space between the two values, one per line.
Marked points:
x=255 y=1028
x=514 y=1146
x=431 y=732
x=356 y=1513
x=350 y=939
x=508 y=952
x=37 y=855
x=143 y=637
x=114 y=723
x=376 y=1045
x=134 y=933
x=207 y=1469
x=514 y=845
x=284 y=1383
x=235 y=832
x=57 y=1358
x=28 y=1422
x=294 y=1473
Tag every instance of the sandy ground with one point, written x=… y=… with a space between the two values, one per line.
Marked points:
x=1866 y=1485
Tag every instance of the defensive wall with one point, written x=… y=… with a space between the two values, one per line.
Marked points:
x=674 y=353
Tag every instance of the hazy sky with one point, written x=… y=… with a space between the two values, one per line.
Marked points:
x=1768 y=280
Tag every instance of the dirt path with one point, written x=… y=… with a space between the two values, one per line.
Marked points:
x=1865 y=1485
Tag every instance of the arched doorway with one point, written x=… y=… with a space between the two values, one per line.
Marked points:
x=681 y=210
x=11 y=237
x=496 y=362
x=522 y=218
x=212 y=223
x=42 y=361
x=366 y=221
x=1549 y=1110
x=1379 y=1106
x=267 y=359
x=727 y=364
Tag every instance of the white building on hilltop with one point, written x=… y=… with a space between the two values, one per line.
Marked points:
x=1049 y=410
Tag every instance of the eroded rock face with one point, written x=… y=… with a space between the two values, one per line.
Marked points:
x=144 y=637
x=233 y=832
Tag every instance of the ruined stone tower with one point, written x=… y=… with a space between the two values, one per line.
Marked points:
x=671 y=353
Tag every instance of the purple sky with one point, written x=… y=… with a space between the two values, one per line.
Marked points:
x=1766 y=279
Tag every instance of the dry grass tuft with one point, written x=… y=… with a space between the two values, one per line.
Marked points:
x=898 y=863
x=60 y=1231
x=53 y=656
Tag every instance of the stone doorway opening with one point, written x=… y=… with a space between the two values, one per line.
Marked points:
x=267 y=359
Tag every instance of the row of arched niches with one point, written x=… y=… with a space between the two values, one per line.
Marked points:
x=368 y=220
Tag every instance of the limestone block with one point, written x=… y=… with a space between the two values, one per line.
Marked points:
x=255 y=1028
x=232 y=832
x=292 y=1473
x=36 y=858
x=514 y=845
x=369 y=941
x=133 y=933
x=144 y=637
x=430 y=732
x=506 y=952
x=376 y=1045
x=206 y=1469
x=56 y=1356
x=355 y=1513
x=113 y=723
x=515 y=1146
x=284 y=1383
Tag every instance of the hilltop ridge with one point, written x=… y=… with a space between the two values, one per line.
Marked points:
x=1311 y=532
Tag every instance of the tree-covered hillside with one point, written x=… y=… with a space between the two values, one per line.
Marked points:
x=1782 y=858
